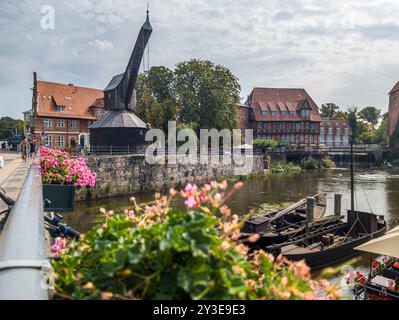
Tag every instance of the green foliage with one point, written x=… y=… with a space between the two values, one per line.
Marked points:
x=156 y=101
x=162 y=253
x=207 y=94
x=371 y=115
x=311 y=163
x=264 y=144
x=395 y=162
x=284 y=167
x=329 y=111
x=328 y=162
x=8 y=126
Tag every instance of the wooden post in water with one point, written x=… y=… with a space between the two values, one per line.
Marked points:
x=309 y=210
x=337 y=204
x=352 y=179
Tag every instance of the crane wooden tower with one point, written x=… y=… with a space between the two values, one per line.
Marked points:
x=120 y=129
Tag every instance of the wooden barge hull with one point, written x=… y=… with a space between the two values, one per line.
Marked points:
x=318 y=259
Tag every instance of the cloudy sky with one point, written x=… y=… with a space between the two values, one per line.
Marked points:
x=340 y=51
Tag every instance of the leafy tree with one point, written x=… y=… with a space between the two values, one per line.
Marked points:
x=354 y=124
x=8 y=126
x=381 y=133
x=156 y=102
x=207 y=94
x=329 y=111
x=371 y=115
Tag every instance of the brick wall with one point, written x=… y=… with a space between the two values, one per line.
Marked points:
x=393 y=112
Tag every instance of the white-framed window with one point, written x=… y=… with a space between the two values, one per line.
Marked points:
x=47 y=123
x=321 y=138
x=73 y=124
x=99 y=111
x=60 y=123
x=91 y=122
x=61 y=141
x=48 y=141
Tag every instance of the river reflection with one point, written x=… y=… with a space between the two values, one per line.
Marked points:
x=377 y=190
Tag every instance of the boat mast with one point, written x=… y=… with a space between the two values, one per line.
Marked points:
x=352 y=178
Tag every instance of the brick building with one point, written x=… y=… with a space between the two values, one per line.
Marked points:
x=334 y=133
x=62 y=114
x=393 y=109
x=288 y=115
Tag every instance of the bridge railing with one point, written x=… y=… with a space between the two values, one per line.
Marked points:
x=22 y=245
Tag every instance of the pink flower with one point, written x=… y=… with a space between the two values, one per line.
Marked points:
x=191 y=202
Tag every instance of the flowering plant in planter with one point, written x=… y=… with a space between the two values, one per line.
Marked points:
x=160 y=252
x=58 y=167
x=61 y=174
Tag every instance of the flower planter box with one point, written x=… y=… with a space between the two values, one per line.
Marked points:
x=62 y=197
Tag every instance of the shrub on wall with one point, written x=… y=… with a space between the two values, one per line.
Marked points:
x=158 y=252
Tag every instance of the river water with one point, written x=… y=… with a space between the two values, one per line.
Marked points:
x=377 y=190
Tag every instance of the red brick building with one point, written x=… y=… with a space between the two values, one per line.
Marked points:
x=62 y=114
x=334 y=133
x=288 y=115
x=393 y=109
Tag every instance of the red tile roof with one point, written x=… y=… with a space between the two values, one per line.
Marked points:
x=76 y=100
x=278 y=100
x=395 y=88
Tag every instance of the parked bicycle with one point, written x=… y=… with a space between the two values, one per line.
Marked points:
x=52 y=222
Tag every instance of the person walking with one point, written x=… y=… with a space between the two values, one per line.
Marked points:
x=32 y=149
x=24 y=149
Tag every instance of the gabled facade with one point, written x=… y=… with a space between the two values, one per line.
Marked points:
x=288 y=115
x=62 y=113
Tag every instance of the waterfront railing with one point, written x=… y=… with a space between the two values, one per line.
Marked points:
x=23 y=260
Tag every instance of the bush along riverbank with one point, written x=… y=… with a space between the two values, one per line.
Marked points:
x=160 y=252
x=394 y=157
x=308 y=163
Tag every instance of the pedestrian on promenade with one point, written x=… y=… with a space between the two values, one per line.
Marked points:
x=1 y=162
x=3 y=146
x=25 y=149
x=32 y=149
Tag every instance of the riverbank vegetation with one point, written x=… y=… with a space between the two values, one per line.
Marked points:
x=308 y=163
x=265 y=144
x=160 y=252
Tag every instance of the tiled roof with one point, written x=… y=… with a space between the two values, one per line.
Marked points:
x=282 y=100
x=395 y=88
x=76 y=100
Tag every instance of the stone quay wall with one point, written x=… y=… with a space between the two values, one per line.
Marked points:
x=129 y=174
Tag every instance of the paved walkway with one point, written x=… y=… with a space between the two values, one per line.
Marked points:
x=13 y=175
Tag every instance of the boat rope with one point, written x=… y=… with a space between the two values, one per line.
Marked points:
x=367 y=199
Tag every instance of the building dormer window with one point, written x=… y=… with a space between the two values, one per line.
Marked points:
x=283 y=113
x=98 y=111
x=305 y=113
x=274 y=113
x=60 y=109
x=292 y=114
x=264 y=113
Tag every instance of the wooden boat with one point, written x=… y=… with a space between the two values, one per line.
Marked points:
x=326 y=245
x=280 y=226
x=320 y=241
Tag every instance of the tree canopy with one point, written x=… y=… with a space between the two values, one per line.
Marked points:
x=8 y=126
x=371 y=115
x=329 y=111
x=198 y=94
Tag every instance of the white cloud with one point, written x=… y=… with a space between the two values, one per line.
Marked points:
x=343 y=51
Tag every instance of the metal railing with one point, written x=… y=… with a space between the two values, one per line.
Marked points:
x=22 y=245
